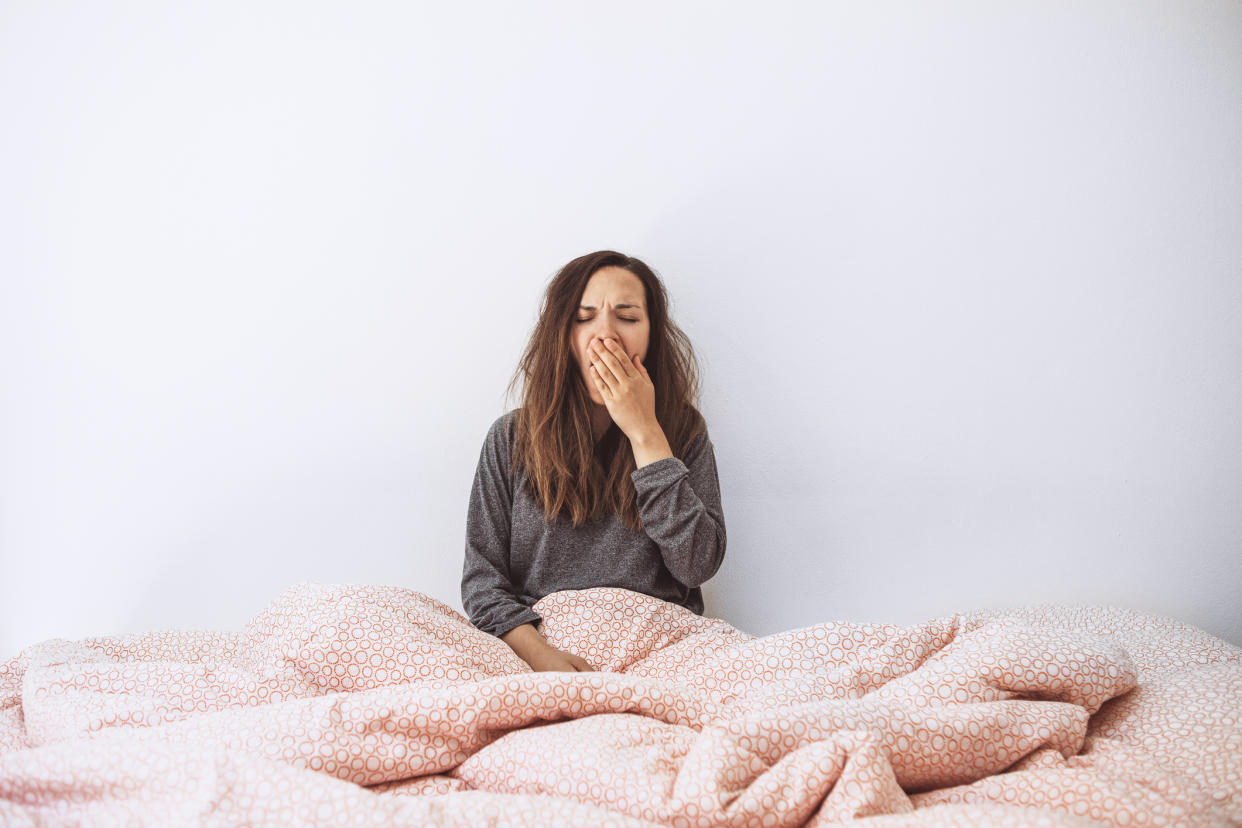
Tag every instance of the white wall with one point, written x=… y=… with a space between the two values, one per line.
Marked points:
x=966 y=280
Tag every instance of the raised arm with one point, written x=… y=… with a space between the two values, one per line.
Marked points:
x=679 y=503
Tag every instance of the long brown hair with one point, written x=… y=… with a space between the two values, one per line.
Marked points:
x=553 y=439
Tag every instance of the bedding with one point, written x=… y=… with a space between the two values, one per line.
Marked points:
x=349 y=704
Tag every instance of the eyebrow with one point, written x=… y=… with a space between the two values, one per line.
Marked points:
x=592 y=307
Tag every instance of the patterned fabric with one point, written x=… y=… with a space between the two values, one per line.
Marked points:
x=363 y=705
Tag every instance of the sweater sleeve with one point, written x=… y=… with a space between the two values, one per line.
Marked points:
x=487 y=591
x=679 y=503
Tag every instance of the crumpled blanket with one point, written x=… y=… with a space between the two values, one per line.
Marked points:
x=368 y=704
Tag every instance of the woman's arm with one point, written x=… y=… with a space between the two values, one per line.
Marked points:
x=524 y=640
x=679 y=503
x=487 y=589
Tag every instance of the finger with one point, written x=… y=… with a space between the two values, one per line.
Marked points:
x=601 y=371
x=600 y=358
x=604 y=388
x=606 y=372
x=614 y=351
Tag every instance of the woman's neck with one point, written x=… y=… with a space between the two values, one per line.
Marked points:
x=600 y=421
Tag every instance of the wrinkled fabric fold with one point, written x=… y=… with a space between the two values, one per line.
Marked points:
x=358 y=704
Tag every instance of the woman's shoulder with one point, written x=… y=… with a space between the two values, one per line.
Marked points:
x=502 y=431
x=504 y=423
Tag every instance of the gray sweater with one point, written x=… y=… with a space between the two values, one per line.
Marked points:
x=515 y=556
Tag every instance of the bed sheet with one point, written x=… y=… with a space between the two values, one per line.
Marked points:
x=356 y=704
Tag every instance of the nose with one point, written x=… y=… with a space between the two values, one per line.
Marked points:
x=599 y=336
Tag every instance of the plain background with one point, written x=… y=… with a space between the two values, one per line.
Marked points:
x=965 y=280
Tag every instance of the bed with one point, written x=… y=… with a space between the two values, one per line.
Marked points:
x=356 y=704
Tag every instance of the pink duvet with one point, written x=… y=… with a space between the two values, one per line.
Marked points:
x=363 y=705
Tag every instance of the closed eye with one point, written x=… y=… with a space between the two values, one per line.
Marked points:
x=622 y=318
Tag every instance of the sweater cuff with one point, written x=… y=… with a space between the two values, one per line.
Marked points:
x=663 y=471
x=525 y=616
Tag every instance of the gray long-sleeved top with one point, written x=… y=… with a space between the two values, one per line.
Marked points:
x=515 y=556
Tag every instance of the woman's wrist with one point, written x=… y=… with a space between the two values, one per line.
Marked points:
x=524 y=639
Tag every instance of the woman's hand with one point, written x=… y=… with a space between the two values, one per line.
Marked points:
x=548 y=658
x=627 y=389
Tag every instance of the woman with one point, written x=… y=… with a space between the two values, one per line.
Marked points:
x=606 y=475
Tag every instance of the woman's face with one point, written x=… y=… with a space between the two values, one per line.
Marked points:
x=613 y=305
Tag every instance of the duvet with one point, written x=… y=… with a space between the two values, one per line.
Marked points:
x=366 y=705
